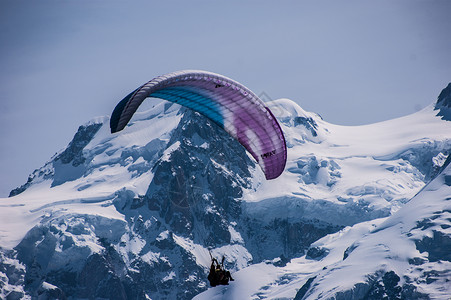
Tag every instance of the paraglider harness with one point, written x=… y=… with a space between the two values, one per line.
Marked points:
x=218 y=275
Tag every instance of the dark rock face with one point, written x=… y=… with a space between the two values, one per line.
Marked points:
x=46 y=291
x=381 y=286
x=74 y=152
x=99 y=277
x=22 y=188
x=386 y=288
x=282 y=237
x=316 y=253
x=349 y=251
x=196 y=188
x=438 y=247
x=70 y=164
x=303 y=290
x=444 y=99
x=443 y=104
x=308 y=123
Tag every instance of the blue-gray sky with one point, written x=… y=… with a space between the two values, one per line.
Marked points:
x=353 y=62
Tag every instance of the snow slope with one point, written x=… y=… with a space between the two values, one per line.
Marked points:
x=134 y=214
x=404 y=256
x=413 y=245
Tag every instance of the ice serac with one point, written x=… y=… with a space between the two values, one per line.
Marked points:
x=405 y=257
x=443 y=104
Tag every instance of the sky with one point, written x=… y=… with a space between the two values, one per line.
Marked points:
x=62 y=63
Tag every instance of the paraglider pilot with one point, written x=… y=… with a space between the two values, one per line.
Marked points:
x=218 y=275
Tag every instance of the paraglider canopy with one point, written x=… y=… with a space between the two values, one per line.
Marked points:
x=226 y=102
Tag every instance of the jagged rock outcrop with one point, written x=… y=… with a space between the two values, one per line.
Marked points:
x=443 y=104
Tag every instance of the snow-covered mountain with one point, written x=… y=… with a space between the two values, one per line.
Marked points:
x=360 y=212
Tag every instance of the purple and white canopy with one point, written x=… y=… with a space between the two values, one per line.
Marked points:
x=226 y=102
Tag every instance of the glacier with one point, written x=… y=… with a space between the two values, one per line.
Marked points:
x=361 y=212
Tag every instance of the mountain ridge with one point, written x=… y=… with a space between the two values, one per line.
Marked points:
x=140 y=210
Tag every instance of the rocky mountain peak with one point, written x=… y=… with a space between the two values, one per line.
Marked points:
x=135 y=214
